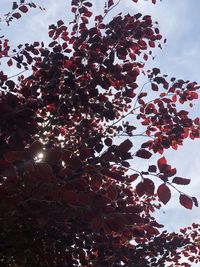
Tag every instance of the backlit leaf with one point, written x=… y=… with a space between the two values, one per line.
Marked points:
x=164 y=193
x=186 y=201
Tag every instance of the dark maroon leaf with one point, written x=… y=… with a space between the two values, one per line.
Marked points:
x=142 y=153
x=140 y=189
x=125 y=146
x=154 y=87
x=23 y=9
x=10 y=62
x=152 y=168
x=110 y=3
x=161 y=163
x=181 y=181
x=186 y=201
x=16 y=15
x=149 y=186
x=164 y=193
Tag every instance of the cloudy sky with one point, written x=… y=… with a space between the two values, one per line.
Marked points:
x=179 y=22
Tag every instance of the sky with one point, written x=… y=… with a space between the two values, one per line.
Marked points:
x=179 y=22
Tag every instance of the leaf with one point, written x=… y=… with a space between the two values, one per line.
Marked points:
x=88 y=4
x=162 y=162
x=152 y=168
x=60 y=23
x=10 y=62
x=125 y=146
x=143 y=153
x=15 y=5
x=110 y=3
x=151 y=230
x=186 y=201
x=152 y=44
x=149 y=186
x=23 y=9
x=164 y=193
x=133 y=177
x=16 y=15
x=181 y=181
x=154 y=87
x=140 y=189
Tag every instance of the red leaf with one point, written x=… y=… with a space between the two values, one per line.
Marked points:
x=186 y=201
x=151 y=230
x=60 y=23
x=67 y=64
x=180 y=180
x=125 y=146
x=140 y=189
x=194 y=95
x=88 y=4
x=142 y=153
x=149 y=186
x=152 y=44
x=16 y=15
x=133 y=177
x=23 y=9
x=164 y=193
x=152 y=168
x=10 y=62
x=110 y=3
x=154 y=87
x=162 y=162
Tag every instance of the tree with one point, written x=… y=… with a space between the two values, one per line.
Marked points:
x=70 y=196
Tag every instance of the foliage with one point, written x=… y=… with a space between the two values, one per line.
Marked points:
x=70 y=193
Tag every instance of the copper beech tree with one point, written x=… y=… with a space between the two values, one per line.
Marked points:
x=70 y=194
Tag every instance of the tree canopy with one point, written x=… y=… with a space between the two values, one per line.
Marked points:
x=70 y=193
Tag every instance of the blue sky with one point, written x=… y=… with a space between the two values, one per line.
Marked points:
x=179 y=22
